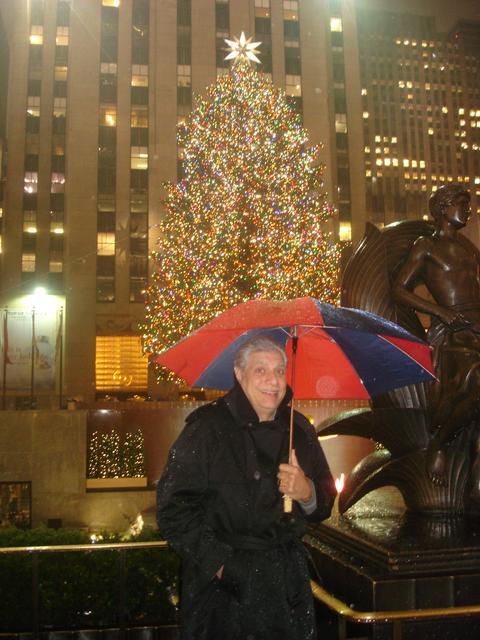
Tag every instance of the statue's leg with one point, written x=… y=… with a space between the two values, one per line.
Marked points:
x=456 y=410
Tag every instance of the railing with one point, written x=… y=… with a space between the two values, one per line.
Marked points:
x=35 y=554
x=346 y=614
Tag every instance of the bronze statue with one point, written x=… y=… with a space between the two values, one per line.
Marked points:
x=448 y=265
x=430 y=432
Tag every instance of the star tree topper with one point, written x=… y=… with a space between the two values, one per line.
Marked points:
x=242 y=48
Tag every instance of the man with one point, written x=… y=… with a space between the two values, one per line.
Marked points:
x=220 y=507
x=448 y=265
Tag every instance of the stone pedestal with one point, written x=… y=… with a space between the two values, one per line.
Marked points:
x=383 y=559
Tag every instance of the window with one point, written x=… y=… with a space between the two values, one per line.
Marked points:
x=262 y=8
x=293 y=85
x=106 y=244
x=108 y=115
x=184 y=75
x=28 y=262
x=36 y=34
x=139 y=158
x=30 y=182
x=30 y=222
x=105 y=289
x=58 y=183
x=120 y=364
x=61 y=73
x=336 y=25
x=341 y=122
x=139 y=75
x=62 y=36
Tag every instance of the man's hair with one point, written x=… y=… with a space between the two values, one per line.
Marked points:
x=257 y=343
x=444 y=196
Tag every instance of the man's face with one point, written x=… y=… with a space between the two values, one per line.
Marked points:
x=264 y=382
x=458 y=212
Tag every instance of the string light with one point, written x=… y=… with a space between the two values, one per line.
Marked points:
x=248 y=218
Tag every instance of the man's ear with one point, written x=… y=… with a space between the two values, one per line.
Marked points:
x=238 y=374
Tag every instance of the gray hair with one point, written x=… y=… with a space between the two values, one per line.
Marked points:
x=257 y=343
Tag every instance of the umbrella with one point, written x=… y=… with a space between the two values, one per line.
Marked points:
x=342 y=353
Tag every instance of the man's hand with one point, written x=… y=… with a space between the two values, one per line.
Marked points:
x=293 y=482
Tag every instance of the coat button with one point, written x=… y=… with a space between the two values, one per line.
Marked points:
x=257 y=475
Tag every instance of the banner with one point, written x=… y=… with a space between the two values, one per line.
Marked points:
x=28 y=333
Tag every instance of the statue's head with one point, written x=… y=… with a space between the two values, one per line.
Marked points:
x=445 y=196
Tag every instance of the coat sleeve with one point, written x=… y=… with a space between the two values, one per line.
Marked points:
x=182 y=501
x=315 y=466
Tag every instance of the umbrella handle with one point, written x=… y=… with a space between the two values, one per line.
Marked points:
x=287 y=504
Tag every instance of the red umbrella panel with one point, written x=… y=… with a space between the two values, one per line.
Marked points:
x=340 y=352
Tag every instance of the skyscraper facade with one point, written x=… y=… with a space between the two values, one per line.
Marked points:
x=97 y=87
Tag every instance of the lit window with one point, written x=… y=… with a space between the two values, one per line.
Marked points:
x=61 y=73
x=139 y=75
x=62 y=37
x=364 y=92
x=33 y=106
x=56 y=227
x=108 y=115
x=367 y=149
x=30 y=221
x=184 y=75
x=55 y=266
x=341 y=123
x=262 y=8
x=108 y=67
x=28 y=262
x=30 y=182
x=139 y=117
x=58 y=183
x=395 y=162
x=345 y=231
x=336 y=25
x=293 y=86
x=36 y=34
x=111 y=3
x=139 y=158
x=365 y=115
x=444 y=109
x=406 y=162
x=120 y=363
x=290 y=9
x=105 y=244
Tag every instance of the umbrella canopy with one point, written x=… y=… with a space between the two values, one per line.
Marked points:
x=340 y=352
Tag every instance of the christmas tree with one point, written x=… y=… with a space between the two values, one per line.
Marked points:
x=248 y=218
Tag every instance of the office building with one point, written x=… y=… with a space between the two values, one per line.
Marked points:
x=95 y=90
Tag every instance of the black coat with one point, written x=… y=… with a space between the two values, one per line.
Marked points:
x=219 y=504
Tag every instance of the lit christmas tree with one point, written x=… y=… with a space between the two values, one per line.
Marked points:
x=133 y=455
x=248 y=220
